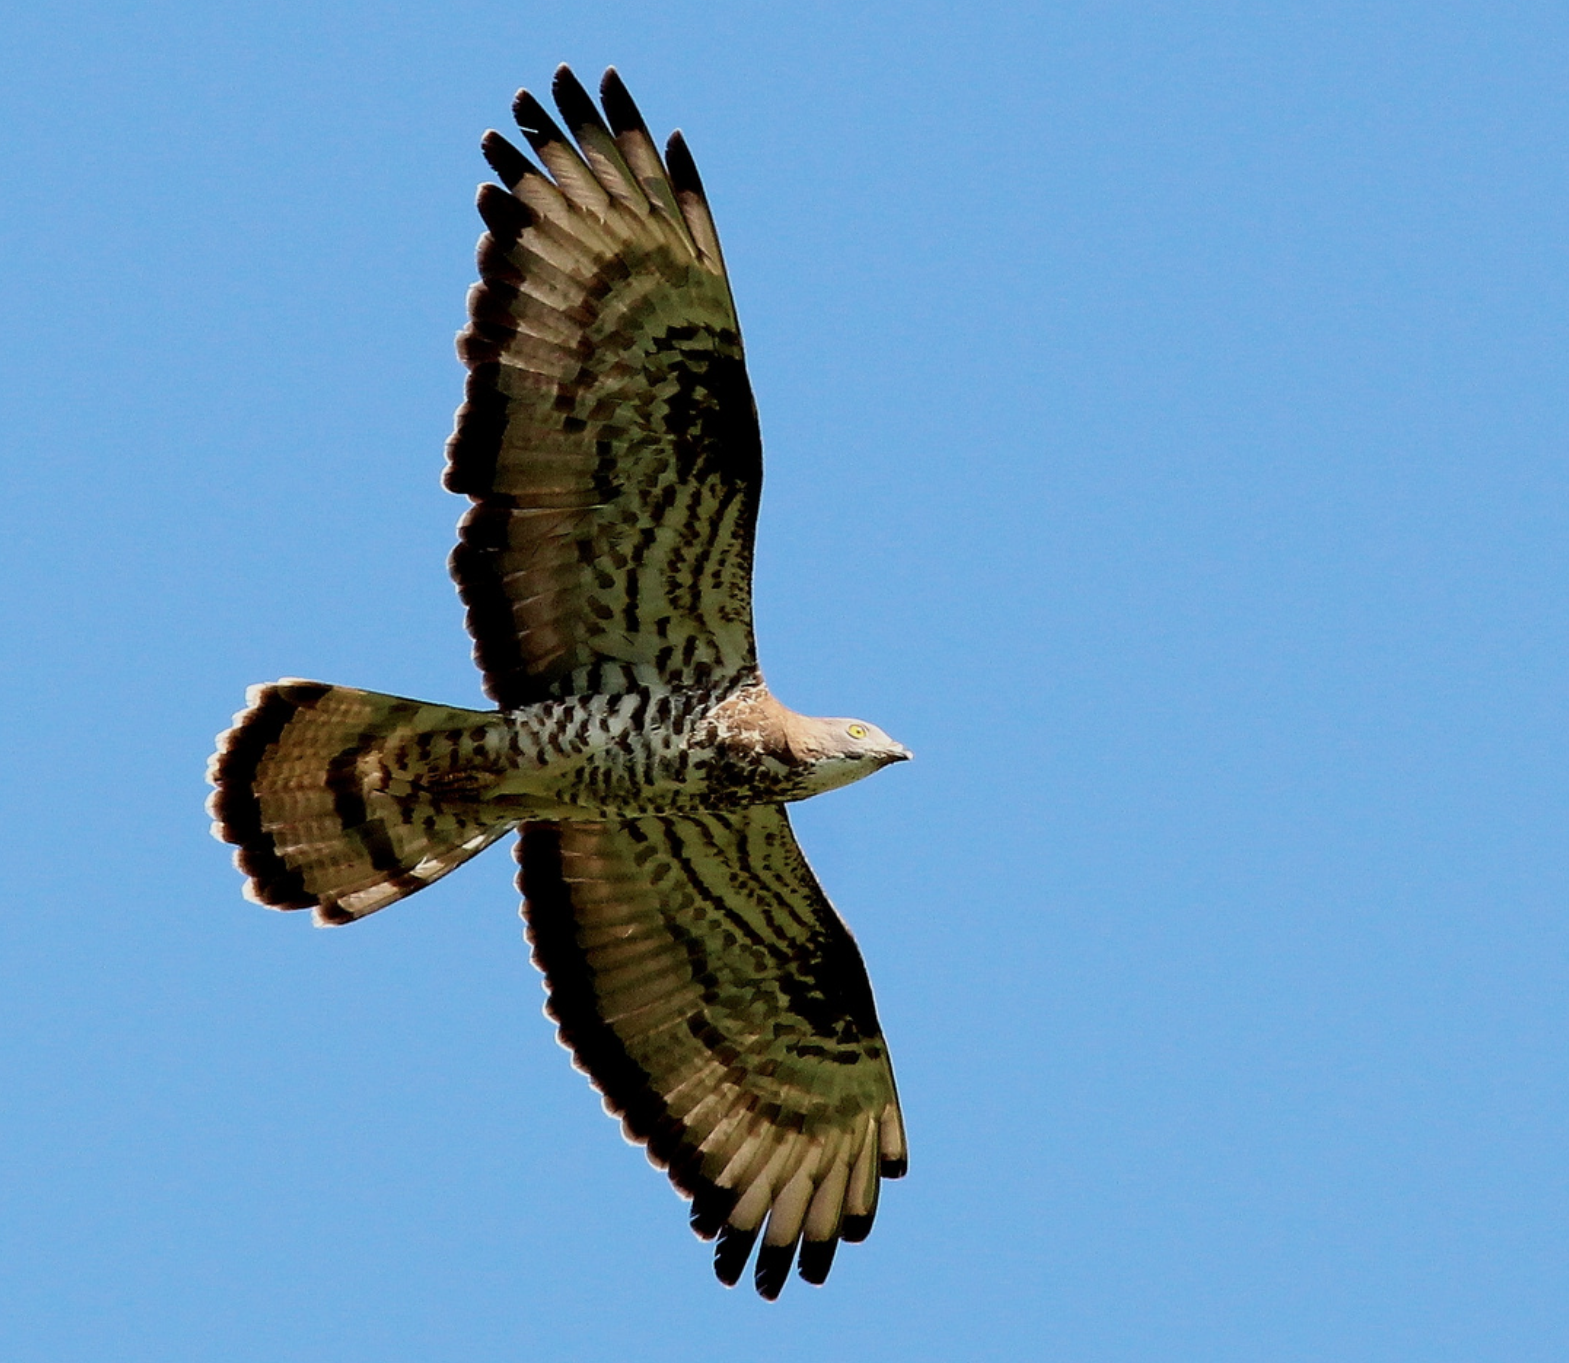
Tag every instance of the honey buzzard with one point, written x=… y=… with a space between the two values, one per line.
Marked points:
x=609 y=444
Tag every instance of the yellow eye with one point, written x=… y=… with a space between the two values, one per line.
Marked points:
x=857 y=731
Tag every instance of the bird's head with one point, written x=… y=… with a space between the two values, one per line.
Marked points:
x=839 y=751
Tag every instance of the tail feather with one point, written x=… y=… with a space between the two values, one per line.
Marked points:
x=344 y=801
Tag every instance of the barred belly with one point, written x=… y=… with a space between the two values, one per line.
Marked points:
x=602 y=756
x=630 y=755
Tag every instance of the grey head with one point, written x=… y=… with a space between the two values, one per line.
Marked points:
x=839 y=751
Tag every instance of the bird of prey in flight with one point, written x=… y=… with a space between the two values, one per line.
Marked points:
x=609 y=445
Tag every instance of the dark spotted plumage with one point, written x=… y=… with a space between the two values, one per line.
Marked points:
x=609 y=445
x=608 y=437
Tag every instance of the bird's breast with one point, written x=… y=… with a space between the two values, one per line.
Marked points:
x=633 y=755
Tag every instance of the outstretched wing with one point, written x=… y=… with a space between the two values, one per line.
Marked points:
x=608 y=436
x=703 y=980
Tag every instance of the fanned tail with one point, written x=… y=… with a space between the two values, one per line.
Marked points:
x=344 y=801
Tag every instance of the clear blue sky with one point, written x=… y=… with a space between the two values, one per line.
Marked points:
x=1165 y=417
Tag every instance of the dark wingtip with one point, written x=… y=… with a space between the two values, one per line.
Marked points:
x=731 y=1254
x=855 y=1229
x=619 y=107
x=773 y=1270
x=494 y=259
x=576 y=105
x=710 y=1207
x=504 y=215
x=682 y=168
x=506 y=160
x=534 y=122
x=817 y=1257
x=895 y=1168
